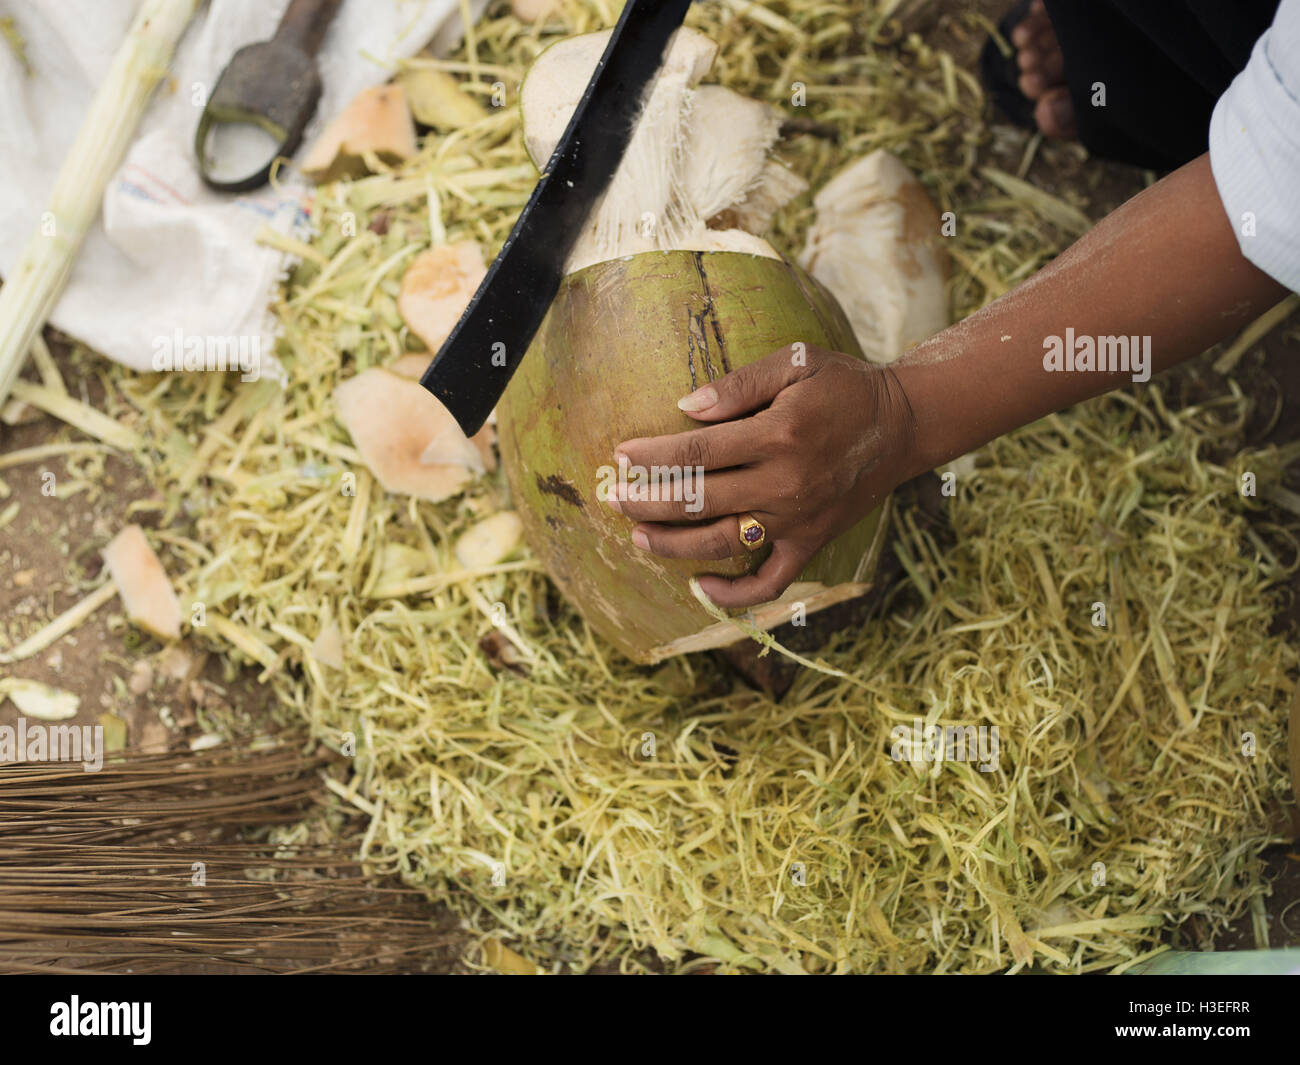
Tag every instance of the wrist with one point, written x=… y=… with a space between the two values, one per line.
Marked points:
x=929 y=427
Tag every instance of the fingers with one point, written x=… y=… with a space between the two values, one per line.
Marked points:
x=715 y=447
x=744 y=391
x=749 y=388
x=696 y=498
x=712 y=541
x=781 y=569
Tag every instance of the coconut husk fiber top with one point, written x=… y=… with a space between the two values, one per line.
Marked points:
x=592 y=812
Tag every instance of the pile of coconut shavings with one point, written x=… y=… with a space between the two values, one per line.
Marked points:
x=596 y=813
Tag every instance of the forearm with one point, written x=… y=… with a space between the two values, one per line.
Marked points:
x=1166 y=266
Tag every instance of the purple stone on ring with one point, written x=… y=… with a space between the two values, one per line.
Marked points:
x=753 y=534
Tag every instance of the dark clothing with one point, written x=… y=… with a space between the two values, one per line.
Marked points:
x=1163 y=65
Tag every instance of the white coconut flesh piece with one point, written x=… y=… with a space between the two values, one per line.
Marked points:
x=489 y=541
x=146 y=592
x=876 y=245
x=413 y=366
x=406 y=438
x=377 y=121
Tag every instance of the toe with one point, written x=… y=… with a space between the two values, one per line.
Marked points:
x=1026 y=33
x=1031 y=26
x=1052 y=66
x=1028 y=59
x=1055 y=114
x=1033 y=85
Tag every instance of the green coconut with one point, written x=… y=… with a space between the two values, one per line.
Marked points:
x=623 y=341
x=669 y=286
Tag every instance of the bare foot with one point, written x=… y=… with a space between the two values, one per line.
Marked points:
x=1042 y=73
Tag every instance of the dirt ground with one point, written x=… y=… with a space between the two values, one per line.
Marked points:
x=50 y=559
x=157 y=698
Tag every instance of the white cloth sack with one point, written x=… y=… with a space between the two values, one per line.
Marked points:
x=168 y=254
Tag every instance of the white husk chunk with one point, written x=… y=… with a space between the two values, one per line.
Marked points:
x=777 y=186
x=437 y=287
x=489 y=541
x=728 y=240
x=406 y=438
x=436 y=99
x=696 y=175
x=556 y=81
x=647 y=206
x=143 y=584
x=378 y=120
x=532 y=10
x=876 y=245
x=450 y=447
x=413 y=366
x=728 y=137
x=327 y=648
x=39 y=700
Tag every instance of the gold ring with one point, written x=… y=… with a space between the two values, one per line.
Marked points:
x=752 y=533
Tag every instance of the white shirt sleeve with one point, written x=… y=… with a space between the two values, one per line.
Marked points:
x=1255 y=150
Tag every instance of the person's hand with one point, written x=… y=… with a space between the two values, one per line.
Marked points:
x=827 y=437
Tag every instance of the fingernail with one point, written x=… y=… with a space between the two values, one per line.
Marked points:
x=641 y=540
x=700 y=399
x=614 y=505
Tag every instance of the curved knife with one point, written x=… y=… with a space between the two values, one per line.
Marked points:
x=477 y=361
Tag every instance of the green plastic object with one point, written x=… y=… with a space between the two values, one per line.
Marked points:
x=1220 y=963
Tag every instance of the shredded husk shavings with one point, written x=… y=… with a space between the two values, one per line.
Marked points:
x=592 y=812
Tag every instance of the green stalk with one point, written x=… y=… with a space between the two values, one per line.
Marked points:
x=33 y=286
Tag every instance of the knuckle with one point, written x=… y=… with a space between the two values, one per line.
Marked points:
x=663 y=509
x=749 y=390
x=695 y=451
x=782 y=435
x=664 y=546
x=722 y=544
x=821 y=483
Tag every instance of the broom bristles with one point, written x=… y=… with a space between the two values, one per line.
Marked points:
x=148 y=867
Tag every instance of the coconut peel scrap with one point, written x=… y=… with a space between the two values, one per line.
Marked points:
x=593 y=812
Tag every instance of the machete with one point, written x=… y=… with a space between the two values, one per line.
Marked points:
x=477 y=360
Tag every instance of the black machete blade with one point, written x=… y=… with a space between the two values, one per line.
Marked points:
x=477 y=361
